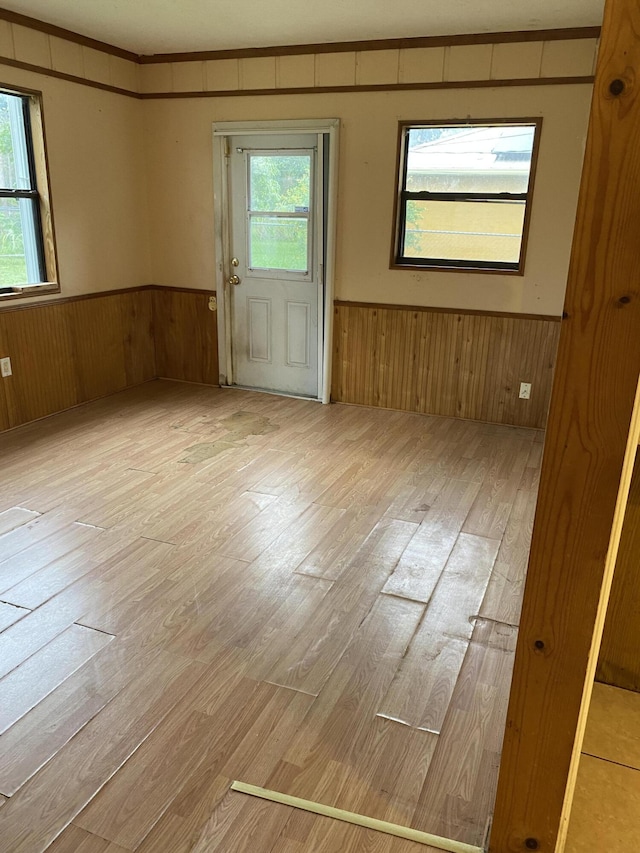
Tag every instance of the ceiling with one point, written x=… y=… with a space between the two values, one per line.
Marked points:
x=170 y=26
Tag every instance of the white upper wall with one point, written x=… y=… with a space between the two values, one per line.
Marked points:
x=132 y=183
x=179 y=159
x=96 y=157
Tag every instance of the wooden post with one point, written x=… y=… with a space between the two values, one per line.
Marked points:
x=591 y=438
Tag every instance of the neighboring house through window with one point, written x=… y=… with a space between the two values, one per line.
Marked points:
x=27 y=254
x=464 y=194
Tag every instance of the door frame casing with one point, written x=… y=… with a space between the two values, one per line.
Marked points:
x=222 y=130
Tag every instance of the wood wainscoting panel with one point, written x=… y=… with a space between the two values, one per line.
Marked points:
x=466 y=364
x=75 y=349
x=70 y=351
x=186 y=336
x=40 y=346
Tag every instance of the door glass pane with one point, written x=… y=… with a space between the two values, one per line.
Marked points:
x=470 y=231
x=279 y=183
x=278 y=243
x=479 y=159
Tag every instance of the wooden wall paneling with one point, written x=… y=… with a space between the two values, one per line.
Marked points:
x=4 y=351
x=619 y=661
x=494 y=384
x=590 y=447
x=113 y=342
x=466 y=365
x=369 y=320
x=39 y=344
x=4 y=415
x=98 y=350
x=185 y=335
x=72 y=350
x=469 y=362
x=437 y=358
x=139 y=346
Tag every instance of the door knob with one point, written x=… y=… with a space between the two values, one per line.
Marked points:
x=234 y=279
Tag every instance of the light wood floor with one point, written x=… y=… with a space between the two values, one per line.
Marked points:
x=605 y=813
x=201 y=585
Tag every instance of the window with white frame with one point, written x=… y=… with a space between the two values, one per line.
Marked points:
x=27 y=254
x=464 y=194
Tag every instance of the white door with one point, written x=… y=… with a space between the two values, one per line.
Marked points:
x=275 y=199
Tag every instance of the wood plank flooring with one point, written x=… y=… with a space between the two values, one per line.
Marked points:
x=199 y=585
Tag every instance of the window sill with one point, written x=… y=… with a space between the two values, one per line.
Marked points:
x=460 y=269
x=22 y=291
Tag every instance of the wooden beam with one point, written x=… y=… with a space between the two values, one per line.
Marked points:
x=587 y=464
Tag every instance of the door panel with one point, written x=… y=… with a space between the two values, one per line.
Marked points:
x=275 y=210
x=260 y=330
x=298 y=334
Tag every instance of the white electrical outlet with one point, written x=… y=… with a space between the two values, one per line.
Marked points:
x=525 y=390
x=5 y=367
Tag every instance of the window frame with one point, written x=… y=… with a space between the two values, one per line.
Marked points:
x=40 y=191
x=402 y=196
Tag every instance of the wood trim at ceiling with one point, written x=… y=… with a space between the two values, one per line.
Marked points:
x=377 y=44
x=71 y=78
x=562 y=34
x=69 y=35
x=343 y=303
x=377 y=87
x=80 y=297
x=302 y=90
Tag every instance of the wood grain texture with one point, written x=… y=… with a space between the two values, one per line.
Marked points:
x=71 y=350
x=395 y=830
x=619 y=661
x=229 y=540
x=38 y=676
x=591 y=438
x=10 y=614
x=453 y=364
x=186 y=337
x=15 y=517
x=618 y=742
x=65 y=354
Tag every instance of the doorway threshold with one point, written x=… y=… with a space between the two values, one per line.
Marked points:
x=272 y=392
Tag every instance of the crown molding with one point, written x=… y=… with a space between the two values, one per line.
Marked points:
x=567 y=34
x=377 y=44
x=69 y=35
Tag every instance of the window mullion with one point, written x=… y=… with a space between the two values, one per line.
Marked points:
x=7 y=193
x=426 y=195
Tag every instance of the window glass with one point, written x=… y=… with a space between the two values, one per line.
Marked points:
x=279 y=211
x=280 y=182
x=464 y=195
x=278 y=243
x=21 y=240
x=487 y=231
